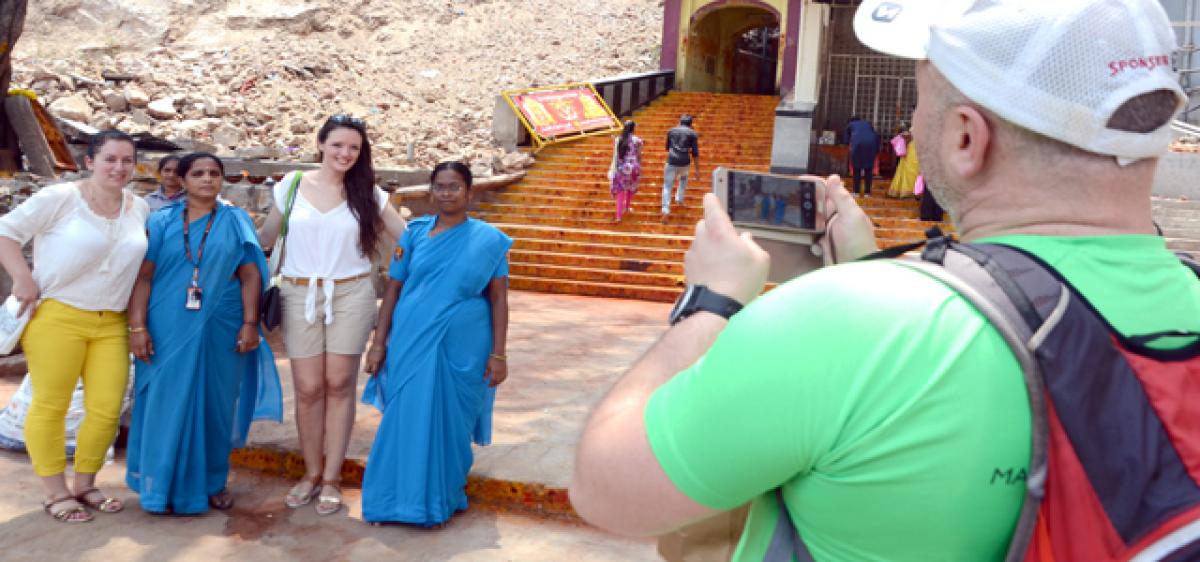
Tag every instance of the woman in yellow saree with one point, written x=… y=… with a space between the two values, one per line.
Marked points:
x=908 y=169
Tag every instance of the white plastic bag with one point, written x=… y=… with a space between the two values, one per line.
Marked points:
x=12 y=417
x=11 y=325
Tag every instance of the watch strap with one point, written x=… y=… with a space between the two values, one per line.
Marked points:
x=701 y=298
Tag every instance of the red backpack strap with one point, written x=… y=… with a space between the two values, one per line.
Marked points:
x=1025 y=301
x=1129 y=508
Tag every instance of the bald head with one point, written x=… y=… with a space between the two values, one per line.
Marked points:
x=981 y=167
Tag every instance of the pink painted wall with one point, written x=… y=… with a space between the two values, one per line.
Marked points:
x=670 y=35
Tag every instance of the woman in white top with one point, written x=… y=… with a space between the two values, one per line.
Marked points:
x=337 y=221
x=89 y=239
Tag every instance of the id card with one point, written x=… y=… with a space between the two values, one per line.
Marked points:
x=194 y=296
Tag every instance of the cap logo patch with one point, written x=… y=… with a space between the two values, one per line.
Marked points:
x=1148 y=63
x=887 y=12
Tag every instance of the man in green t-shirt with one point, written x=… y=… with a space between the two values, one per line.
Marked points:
x=893 y=416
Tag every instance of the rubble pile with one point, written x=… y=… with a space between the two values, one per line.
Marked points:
x=256 y=79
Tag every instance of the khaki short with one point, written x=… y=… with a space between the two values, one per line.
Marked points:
x=354 y=314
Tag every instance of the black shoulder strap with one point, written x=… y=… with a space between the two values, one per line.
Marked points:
x=933 y=236
x=984 y=276
x=786 y=545
x=1190 y=261
x=981 y=275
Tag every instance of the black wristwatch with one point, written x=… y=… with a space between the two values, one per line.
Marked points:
x=697 y=298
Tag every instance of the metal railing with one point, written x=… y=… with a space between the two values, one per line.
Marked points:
x=1185 y=58
x=1186 y=128
x=626 y=94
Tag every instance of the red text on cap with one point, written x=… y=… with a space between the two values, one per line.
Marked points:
x=1148 y=63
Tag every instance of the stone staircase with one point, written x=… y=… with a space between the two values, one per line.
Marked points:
x=560 y=215
x=1180 y=221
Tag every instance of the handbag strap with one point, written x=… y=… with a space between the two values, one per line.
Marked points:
x=281 y=242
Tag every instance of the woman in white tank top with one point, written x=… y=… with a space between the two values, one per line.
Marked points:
x=338 y=219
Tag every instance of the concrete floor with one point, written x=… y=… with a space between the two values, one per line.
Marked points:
x=261 y=528
x=564 y=353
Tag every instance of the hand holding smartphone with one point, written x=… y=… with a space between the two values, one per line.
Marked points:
x=794 y=204
x=804 y=222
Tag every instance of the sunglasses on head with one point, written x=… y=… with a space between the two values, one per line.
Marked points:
x=343 y=119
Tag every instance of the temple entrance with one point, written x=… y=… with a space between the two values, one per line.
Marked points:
x=734 y=49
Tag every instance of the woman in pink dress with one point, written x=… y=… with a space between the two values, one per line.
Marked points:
x=626 y=169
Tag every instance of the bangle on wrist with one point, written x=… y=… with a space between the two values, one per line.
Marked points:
x=134 y=330
x=499 y=357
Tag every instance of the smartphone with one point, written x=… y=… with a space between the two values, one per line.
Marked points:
x=786 y=215
x=772 y=201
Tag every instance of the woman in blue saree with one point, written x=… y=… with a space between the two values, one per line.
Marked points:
x=203 y=373
x=437 y=358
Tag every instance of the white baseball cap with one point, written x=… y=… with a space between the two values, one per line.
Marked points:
x=1060 y=68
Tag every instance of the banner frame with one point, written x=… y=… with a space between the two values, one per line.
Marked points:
x=539 y=141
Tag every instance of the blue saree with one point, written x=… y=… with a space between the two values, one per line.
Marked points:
x=431 y=389
x=194 y=401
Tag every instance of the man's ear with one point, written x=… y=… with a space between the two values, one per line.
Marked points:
x=971 y=136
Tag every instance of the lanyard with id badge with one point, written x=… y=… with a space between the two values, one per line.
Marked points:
x=195 y=295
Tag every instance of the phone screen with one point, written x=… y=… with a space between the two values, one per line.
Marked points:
x=772 y=201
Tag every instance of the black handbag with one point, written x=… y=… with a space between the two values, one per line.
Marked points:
x=271 y=309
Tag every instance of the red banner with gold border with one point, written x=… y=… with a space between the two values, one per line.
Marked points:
x=554 y=113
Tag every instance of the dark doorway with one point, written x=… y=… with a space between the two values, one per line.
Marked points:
x=755 y=58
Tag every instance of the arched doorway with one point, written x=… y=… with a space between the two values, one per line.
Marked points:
x=733 y=48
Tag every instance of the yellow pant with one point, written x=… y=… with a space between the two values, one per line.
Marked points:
x=61 y=343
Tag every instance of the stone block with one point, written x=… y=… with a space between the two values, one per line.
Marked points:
x=162 y=108
x=136 y=97
x=74 y=107
x=114 y=100
x=228 y=136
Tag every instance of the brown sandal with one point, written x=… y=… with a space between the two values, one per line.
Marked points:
x=105 y=505
x=65 y=515
x=222 y=500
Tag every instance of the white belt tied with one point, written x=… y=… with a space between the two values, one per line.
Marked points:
x=310 y=299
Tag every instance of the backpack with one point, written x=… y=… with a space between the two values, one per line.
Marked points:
x=1114 y=470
